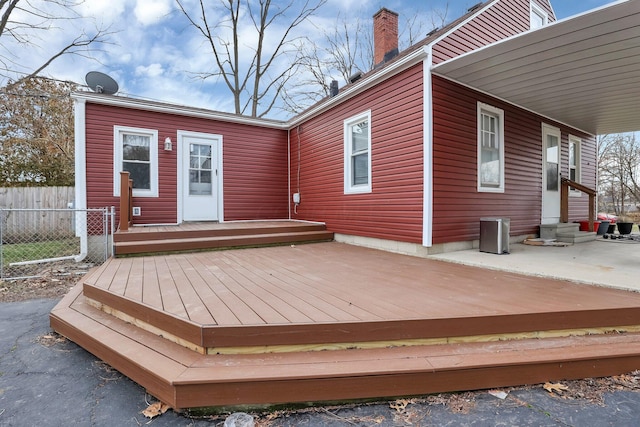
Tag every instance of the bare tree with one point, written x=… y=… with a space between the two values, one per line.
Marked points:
x=618 y=169
x=257 y=70
x=36 y=133
x=346 y=49
x=25 y=26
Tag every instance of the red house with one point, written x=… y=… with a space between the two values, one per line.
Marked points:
x=483 y=118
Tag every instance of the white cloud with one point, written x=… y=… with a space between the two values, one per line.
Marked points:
x=153 y=70
x=149 y=12
x=105 y=11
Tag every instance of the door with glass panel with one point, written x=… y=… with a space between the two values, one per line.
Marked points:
x=550 y=175
x=200 y=179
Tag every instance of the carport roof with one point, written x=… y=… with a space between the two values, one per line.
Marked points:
x=583 y=71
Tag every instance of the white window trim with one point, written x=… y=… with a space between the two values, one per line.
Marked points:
x=534 y=8
x=348 y=187
x=500 y=113
x=578 y=142
x=117 y=160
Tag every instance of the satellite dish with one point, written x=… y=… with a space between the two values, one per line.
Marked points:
x=101 y=83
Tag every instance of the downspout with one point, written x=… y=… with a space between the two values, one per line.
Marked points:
x=80 y=177
x=427 y=194
x=289 y=172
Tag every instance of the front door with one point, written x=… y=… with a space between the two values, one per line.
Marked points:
x=200 y=176
x=550 y=175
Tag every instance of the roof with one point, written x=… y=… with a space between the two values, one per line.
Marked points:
x=583 y=71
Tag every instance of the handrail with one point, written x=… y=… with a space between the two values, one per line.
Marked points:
x=564 y=200
x=126 y=199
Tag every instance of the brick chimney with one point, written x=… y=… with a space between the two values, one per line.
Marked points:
x=385 y=36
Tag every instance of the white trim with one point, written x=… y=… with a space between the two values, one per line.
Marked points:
x=536 y=9
x=501 y=139
x=350 y=188
x=578 y=142
x=80 y=133
x=175 y=109
x=427 y=152
x=181 y=134
x=153 y=160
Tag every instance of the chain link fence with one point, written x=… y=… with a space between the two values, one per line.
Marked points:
x=35 y=241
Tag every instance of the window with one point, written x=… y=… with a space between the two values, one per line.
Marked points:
x=357 y=154
x=490 y=148
x=574 y=162
x=136 y=151
x=538 y=16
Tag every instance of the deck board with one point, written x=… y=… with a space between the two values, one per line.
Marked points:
x=151 y=294
x=327 y=282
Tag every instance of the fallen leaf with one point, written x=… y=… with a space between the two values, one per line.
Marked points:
x=156 y=409
x=399 y=405
x=557 y=388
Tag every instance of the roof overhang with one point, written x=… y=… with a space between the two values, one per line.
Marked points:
x=583 y=71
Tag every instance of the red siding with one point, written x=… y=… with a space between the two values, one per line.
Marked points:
x=503 y=19
x=254 y=164
x=393 y=210
x=458 y=206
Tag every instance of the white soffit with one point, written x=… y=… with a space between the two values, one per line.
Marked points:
x=582 y=71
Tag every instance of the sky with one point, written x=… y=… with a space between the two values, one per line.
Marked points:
x=153 y=52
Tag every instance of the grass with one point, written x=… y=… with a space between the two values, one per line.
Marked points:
x=17 y=252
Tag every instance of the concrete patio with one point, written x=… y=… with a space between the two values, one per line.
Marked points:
x=603 y=262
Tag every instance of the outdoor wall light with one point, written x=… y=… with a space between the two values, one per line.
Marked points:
x=168 y=146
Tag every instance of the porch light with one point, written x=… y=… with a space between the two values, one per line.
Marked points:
x=168 y=146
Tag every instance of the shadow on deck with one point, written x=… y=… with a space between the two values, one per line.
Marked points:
x=329 y=321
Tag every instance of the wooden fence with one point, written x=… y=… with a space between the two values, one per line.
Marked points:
x=36 y=213
x=36 y=197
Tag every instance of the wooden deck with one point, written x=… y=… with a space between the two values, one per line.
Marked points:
x=236 y=327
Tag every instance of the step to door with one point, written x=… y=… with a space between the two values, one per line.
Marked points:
x=218 y=242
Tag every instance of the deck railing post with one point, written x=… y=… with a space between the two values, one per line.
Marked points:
x=592 y=210
x=564 y=201
x=126 y=209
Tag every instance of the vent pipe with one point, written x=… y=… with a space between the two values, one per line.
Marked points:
x=333 y=88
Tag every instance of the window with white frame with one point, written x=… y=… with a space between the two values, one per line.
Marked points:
x=490 y=148
x=357 y=154
x=136 y=151
x=538 y=16
x=574 y=161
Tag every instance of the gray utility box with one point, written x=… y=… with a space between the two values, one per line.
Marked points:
x=494 y=235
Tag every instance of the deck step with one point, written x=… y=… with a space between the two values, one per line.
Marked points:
x=145 y=234
x=185 y=379
x=289 y=337
x=576 y=237
x=177 y=243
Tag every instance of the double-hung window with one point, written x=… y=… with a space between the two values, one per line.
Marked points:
x=490 y=148
x=136 y=151
x=357 y=154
